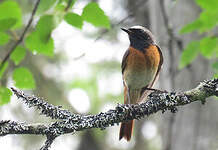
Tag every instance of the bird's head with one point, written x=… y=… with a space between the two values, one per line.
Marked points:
x=139 y=34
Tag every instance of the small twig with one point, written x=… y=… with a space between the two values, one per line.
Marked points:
x=48 y=142
x=21 y=37
x=80 y=56
x=14 y=34
x=68 y=5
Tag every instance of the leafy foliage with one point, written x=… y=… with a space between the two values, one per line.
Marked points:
x=207 y=20
x=215 y=65
x=189 y=54
x=74 y=20
x=44 y=27
x=45 y=5
x=208 y=46
x=205 y=23
x=5 y=95
x=36 y=45
x=5 y=66
x=9 y=12
x=18 y=55
x=4 y=38
x=7 y=23
x=63 y=4
x=23 y=78
x=94 y=14
x=39 y=41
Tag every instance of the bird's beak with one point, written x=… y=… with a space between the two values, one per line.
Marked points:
x=126 y=30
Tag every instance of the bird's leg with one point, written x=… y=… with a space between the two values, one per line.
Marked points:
x=128 y=95
x=151 y=89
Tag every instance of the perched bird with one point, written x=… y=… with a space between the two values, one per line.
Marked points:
x=141 y=65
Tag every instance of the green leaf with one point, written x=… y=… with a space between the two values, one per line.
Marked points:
x=5 y=95
x=209 y=20
x=5 y=66
x=74 y=20
x=44 y=27
x=189 y=54
x=215 y=65
x=40 y=41
x=6 y=24
x=210 y=5
x=215 y=75
x=191 y=27
x=23 y=78
x=62 y=5
x=93 y=14
x=45 y=5
x=208 y=46
x=36 y=45
x=18 y=54
x=4 y=38
x=10 y=9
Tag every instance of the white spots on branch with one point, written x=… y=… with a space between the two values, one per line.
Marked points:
x=107 y=106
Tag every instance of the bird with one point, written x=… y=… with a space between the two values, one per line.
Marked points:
x=141 y=65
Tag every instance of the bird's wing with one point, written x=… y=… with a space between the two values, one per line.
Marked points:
x=159 y=66
x=124 y=61
x=145 y=92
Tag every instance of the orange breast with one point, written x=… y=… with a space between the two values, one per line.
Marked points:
x=152 y=56
x=141 y=67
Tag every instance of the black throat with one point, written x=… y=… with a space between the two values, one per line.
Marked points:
x=139 y=44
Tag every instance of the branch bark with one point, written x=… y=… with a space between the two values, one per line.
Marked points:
x=70 y=123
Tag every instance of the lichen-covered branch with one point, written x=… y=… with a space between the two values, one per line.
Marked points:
x=69 y=122
x=49 y=110
x=48 y=142
x=12 y=127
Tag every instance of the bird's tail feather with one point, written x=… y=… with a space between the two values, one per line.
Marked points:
x=126 y=130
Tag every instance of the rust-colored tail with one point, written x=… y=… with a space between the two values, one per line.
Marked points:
x=126 y=129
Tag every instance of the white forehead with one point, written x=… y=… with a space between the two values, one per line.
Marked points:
x=139 y=27
x=145 y=31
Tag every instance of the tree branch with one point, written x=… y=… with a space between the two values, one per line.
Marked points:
x=68 y=4
x=48 y=142
x=69 y=122
x=22 y=35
